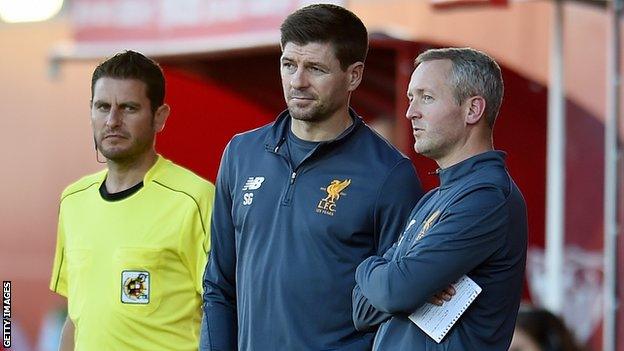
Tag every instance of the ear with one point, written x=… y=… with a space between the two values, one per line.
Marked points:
x=475 y=109
x=354 y=74
x=160 y=117
x=91 y=112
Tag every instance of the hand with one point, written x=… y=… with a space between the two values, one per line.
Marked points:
x=444 y=295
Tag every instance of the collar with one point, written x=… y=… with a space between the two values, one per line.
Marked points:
x=151 y=174
x=156 y=169
x=112 y=197
x=450 y=175
x=280 y=128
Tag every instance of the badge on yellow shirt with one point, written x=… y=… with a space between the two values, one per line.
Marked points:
x=135 y=287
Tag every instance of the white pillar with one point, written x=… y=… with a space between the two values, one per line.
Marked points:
x=612 y=179
x=555 y=180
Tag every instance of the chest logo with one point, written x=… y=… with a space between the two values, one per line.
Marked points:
x=334 y=190
x=411 y=223
x=252 y=183
x=135 y=287
x=428 y=223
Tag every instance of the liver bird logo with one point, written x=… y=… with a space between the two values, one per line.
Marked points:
x=334 y=189
x=428 y=223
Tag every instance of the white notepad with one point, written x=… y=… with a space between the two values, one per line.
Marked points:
x=436 y=321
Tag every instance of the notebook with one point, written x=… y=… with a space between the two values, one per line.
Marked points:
x=436 y=321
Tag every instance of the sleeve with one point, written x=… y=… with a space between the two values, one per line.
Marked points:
x=219 y=325
x=58 y=281
x=195 y=244
x=468 y=233
x=397 y=197
x=365 y=316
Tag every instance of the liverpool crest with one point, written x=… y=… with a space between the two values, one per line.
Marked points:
x=334 y=190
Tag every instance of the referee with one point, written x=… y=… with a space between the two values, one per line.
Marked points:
x=132 y=239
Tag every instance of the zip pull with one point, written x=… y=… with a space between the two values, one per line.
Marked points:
x=292 y=177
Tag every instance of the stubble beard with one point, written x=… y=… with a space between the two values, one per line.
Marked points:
x=316 y=113
x=120 y=154
x=125 y=154
x=306 y=114
x=425 y=147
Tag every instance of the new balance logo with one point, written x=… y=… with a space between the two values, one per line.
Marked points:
x=253 y=183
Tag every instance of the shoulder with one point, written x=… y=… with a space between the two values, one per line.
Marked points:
x=251 y=138
x=83 y=184
x=371 y=145
x=479 y=195
x=493 y=180
x=182 y=180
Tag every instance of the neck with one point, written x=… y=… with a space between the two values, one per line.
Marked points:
x=125 y=174
x=477 y=143
x=324 y=130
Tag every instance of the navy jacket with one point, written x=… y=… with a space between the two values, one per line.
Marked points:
x=475 y=223
x=286 y=241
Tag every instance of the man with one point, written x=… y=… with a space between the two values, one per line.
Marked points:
x=474 y=224
x=302 y=201
x=132 y=239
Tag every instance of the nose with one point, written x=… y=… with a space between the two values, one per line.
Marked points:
x=412 y=110
x=299 y=80
x=114 y=117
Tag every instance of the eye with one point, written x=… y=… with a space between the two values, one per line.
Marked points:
x=130 y=108
x=427 y=98
x=288 y=66
x=102 y=107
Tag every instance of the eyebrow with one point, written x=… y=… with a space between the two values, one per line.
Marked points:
x=315 y=63
x=417 y=91
x=129 y=104
x=307 y=63
x=122 y=104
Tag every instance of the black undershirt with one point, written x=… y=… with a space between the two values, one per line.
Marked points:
x=120 y=195
x=298 y=148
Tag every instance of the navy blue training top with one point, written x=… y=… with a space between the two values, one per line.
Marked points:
x=475 y=223
x=286 y=240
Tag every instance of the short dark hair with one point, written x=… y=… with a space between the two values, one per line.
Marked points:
x=133 y=65
x=473 y=73
x=326 y=23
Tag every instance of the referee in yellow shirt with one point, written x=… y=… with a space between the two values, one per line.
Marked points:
x=132 y=239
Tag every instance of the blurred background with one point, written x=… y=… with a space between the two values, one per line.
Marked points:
x=559 y=60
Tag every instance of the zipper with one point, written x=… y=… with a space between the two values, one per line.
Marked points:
x=290 y=188
x=287 y=198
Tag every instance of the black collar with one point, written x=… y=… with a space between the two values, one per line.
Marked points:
x=120 y=195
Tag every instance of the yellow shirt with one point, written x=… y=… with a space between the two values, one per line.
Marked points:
x=132 y=269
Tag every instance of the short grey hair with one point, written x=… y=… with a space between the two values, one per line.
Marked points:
x=474 y=73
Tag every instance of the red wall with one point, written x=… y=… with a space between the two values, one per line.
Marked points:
x=204 y=116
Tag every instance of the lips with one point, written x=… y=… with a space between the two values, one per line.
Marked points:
x=300 y=95
x=417 y=131
x=114 y=136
